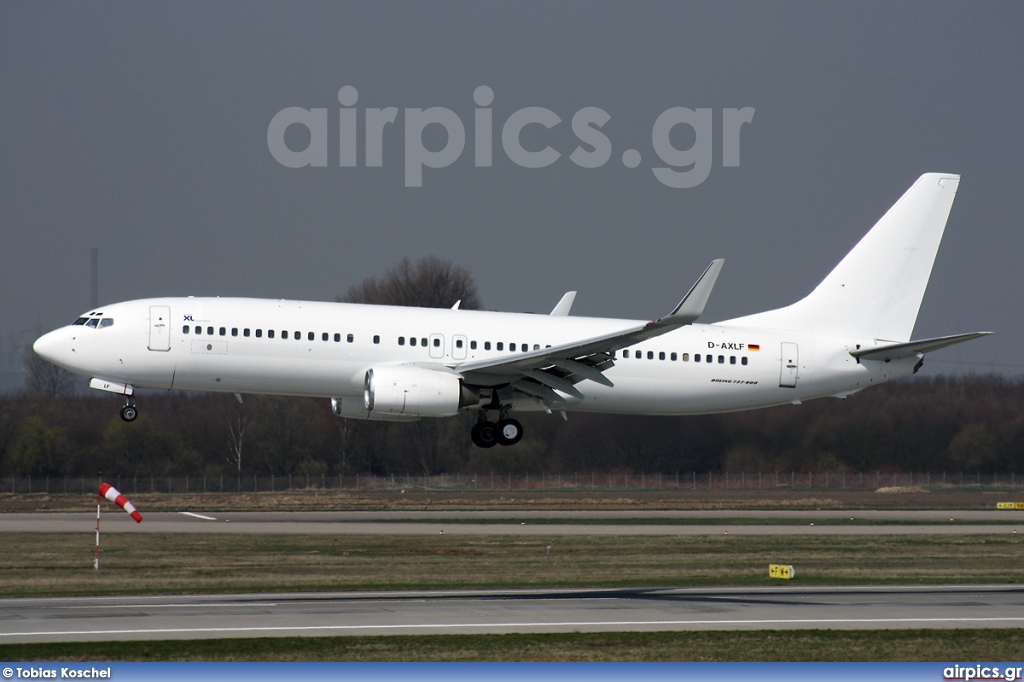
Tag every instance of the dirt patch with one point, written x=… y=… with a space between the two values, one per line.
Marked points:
x=899 y=489
x=333 y=500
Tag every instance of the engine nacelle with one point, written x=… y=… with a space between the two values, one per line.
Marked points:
x=415 y=392
x=353 y=408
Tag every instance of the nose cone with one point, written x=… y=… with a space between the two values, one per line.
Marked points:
x=51 y=346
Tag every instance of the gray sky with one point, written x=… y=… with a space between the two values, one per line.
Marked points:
x=141 y=129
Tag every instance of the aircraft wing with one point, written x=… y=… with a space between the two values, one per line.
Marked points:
x=911 y=348
x=560 y=367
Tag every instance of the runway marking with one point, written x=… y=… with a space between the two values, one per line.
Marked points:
x=198 y=516
x=162 y=606
x=421 y=626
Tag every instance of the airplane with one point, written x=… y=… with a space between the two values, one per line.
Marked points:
x=401 y=364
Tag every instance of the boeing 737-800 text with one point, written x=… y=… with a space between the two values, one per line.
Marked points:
x=400 y=364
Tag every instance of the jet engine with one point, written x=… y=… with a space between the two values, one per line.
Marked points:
x=415 y=392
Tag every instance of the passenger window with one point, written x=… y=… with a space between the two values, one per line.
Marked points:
x=437 y=343
x=661 y=355
x=458 y=343
x=259 y=333
x=401 y=340
x=743 y=360
x=350 y=338
x=472 y=345
x=325 y=336
x=673 y=357
x=487 y=345
x=536 y=346
x=245 y=332
x=184 y=330
x=310 y=336
x=625 y=353
x=209 y=331
x=337 y=338
x=732 y=359
x=686 y=357
x=696 y=357
x=223 y=331
x=721 y=359
x=500 y=345
x=511 y=346
x=234 y=331
x=650 y=355
x=708 y=358
x=93 y=322
x=423 y=342
x=376 y=338
x=297 y=336
x=270 y=333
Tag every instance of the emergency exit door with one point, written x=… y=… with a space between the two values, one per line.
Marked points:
x=790 y=365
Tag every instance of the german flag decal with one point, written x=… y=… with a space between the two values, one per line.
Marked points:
x=753 y=346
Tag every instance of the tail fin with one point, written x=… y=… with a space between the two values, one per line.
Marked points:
x=876 y=290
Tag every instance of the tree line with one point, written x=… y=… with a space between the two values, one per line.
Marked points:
x=973 y=423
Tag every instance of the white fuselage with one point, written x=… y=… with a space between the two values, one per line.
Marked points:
x=321 y=349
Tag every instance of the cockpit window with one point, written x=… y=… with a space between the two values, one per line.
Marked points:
x=81 y=320
x=93 y=322
x=106 y=322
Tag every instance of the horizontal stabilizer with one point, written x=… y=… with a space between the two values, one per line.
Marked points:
x=911 y=348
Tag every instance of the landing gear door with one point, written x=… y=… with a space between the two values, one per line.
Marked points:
x=790 y=365
x=159 y=328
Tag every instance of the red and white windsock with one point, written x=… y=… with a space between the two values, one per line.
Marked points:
x=110 y=492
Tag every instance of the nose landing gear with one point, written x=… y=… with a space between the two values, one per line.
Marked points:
x=128 y=412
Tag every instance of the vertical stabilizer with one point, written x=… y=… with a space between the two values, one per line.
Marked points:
x=876 y=290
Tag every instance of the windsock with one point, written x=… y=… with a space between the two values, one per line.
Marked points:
x=110 y=492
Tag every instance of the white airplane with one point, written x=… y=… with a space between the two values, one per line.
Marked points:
x=401 y=364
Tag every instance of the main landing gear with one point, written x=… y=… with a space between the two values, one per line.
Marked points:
x=128 y=412
x=487 y=434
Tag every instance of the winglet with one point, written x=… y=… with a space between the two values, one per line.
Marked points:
x=562 y=309
x=692 y=305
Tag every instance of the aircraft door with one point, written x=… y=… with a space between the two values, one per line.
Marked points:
x=459 y=344
x=790 y=365
x=159 y=328
x=437 y=346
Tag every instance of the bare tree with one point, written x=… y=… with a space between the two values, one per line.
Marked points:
x=430 y=282
x=236 y=434
x=45 y=378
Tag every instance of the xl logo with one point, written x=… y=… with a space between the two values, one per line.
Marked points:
x=188 y=318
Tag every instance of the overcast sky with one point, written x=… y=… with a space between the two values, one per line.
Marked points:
x=142 y=129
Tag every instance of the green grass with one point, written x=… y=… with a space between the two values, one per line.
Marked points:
x=792 y=645
x=61 y=564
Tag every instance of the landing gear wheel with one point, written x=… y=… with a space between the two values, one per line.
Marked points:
x=129 y=413
x=510 y=432
x=485 y=434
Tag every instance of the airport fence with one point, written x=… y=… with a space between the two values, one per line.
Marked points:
x=693 y=480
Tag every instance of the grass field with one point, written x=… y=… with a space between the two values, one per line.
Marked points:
x=61 y=564
x=791 y=645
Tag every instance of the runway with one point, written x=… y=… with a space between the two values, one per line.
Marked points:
x=522 y=611
x=526 y=523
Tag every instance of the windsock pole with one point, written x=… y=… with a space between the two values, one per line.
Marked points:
x=99 y=503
